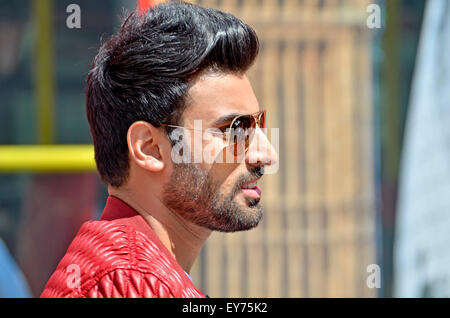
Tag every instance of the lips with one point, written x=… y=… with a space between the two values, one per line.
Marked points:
x=251 y=189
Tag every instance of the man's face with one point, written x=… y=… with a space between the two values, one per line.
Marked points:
x=219 y=195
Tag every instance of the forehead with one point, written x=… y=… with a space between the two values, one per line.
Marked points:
x=213 y=96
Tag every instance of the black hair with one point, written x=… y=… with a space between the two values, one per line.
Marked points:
x=144 y=71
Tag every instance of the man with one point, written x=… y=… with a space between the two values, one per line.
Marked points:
x=151 y=85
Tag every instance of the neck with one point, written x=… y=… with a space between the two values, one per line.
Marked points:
x=182 y=238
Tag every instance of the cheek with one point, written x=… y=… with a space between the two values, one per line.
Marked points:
x=214 y=150
x=227 y=178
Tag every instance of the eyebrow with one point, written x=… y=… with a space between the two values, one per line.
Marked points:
x=226 y=119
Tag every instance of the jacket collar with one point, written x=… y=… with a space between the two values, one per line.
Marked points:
x=120 y=212
x=115 y=208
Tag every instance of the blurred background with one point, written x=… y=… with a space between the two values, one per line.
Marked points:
x=360 y=90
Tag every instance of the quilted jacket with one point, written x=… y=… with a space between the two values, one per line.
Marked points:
x=118 y=256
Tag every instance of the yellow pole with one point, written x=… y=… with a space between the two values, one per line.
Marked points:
x=43 y=158
x=43 y=72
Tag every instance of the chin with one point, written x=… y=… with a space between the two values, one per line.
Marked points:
x=242 y=214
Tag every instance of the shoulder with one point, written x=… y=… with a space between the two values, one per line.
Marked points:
x=107 y=259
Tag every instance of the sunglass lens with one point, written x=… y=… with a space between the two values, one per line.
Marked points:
x=242 y=131
x=242 y=122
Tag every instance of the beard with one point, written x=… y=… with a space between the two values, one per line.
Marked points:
x=193 y=194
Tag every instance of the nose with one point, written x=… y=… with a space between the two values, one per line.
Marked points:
x=262 y=152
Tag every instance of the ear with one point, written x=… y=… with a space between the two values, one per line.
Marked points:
x=144 y=146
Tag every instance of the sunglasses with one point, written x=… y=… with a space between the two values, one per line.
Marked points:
x=240 y=131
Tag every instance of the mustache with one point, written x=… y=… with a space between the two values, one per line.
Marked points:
x=255 y=173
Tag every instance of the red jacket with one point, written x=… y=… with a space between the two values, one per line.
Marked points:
x=118 y=256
